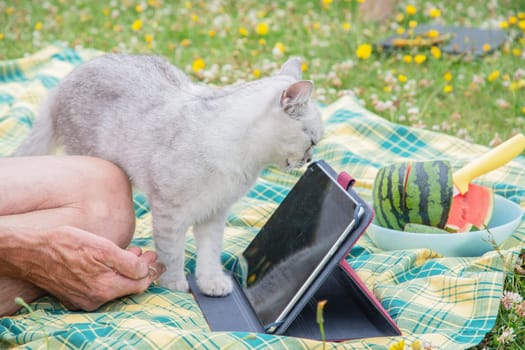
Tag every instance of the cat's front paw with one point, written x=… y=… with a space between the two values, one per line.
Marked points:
x=217 y=285
x=174 y=283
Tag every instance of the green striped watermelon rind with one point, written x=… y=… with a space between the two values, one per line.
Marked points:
x=429 y=192
x=388 y=196
x=420 y=228
x=418 y=192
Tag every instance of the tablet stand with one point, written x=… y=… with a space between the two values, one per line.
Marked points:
x=351 y=310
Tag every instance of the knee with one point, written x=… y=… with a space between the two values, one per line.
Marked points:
x=109 y=201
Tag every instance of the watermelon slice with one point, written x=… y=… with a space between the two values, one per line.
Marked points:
x=472 y=209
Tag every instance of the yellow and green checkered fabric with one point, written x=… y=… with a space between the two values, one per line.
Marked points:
x=448 y=302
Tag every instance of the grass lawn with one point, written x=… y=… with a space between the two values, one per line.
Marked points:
x=481 y=99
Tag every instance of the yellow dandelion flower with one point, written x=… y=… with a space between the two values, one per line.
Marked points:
x=516 y=52
x=262 y=42
x=521 y=15
x=198 y=65
x=486 y=47
x=38 y=26
x=136 y=25
x=434 y=13
x=106 y=11
x=10 y=10
x=2 y=36
x=400 y=30
x=387 y=88
x=513 y=20
x=256 y=73
x=400 y=17
x=420 y=58
x=139 y=8
x=346 y=26
x=185 y=42
x=194 y=17
x=433 y=33
x=326 y=3
x=506 y=77
x=410 y=10
x=516 y=85
x=254 y=53
x=279 y=47
x=521 y=24
x=504 y=24
x=523 y=110
x=243 y=31
x=212 y=33
x=412 y=24
x=407 y=59
x=316 y=25
x=187 y=4
x=397 y=346
x=171 y=46
x=416 y=345
x=364 y=51
x=493 y=75
x=262 y=28
x=402 y=78
x=148 y=38
x=447 y=76
x=261 y=14
x=304 y=67
x=435 y=52
x=448 y=89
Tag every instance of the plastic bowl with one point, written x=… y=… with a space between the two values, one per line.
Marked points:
x=505 y=219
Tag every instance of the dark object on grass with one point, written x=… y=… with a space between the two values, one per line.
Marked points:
x=452 y=40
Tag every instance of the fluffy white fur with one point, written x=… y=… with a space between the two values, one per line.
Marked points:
x=192 y=149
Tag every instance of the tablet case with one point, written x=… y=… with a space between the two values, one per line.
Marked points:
x=351 y=310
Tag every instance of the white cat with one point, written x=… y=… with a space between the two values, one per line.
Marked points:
x=192 y=149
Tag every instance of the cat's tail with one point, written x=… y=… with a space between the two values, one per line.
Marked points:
x=40 y=140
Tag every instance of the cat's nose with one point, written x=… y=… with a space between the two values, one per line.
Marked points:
x=308 y=155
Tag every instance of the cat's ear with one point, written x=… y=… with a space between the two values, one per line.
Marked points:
x=295 y=97
x=292 y=67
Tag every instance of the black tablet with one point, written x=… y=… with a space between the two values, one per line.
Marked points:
x=296 y=243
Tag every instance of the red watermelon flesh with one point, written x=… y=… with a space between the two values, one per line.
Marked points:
x=472 y=209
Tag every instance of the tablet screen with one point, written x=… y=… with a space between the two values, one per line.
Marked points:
x=295 y=243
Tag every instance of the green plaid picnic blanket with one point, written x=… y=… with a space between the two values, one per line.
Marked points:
x=450 y=303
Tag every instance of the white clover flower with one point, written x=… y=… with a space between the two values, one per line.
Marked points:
x=509 y=299
x=507 y=335
x=413 y=110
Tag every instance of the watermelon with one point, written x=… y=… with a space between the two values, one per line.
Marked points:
x=471 y=210
x=418 y=228
x=418 y=192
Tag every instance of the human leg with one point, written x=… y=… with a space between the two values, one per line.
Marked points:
x=49 y=191
x=41 y=193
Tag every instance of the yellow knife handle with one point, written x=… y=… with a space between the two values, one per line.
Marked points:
x=491 y=160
